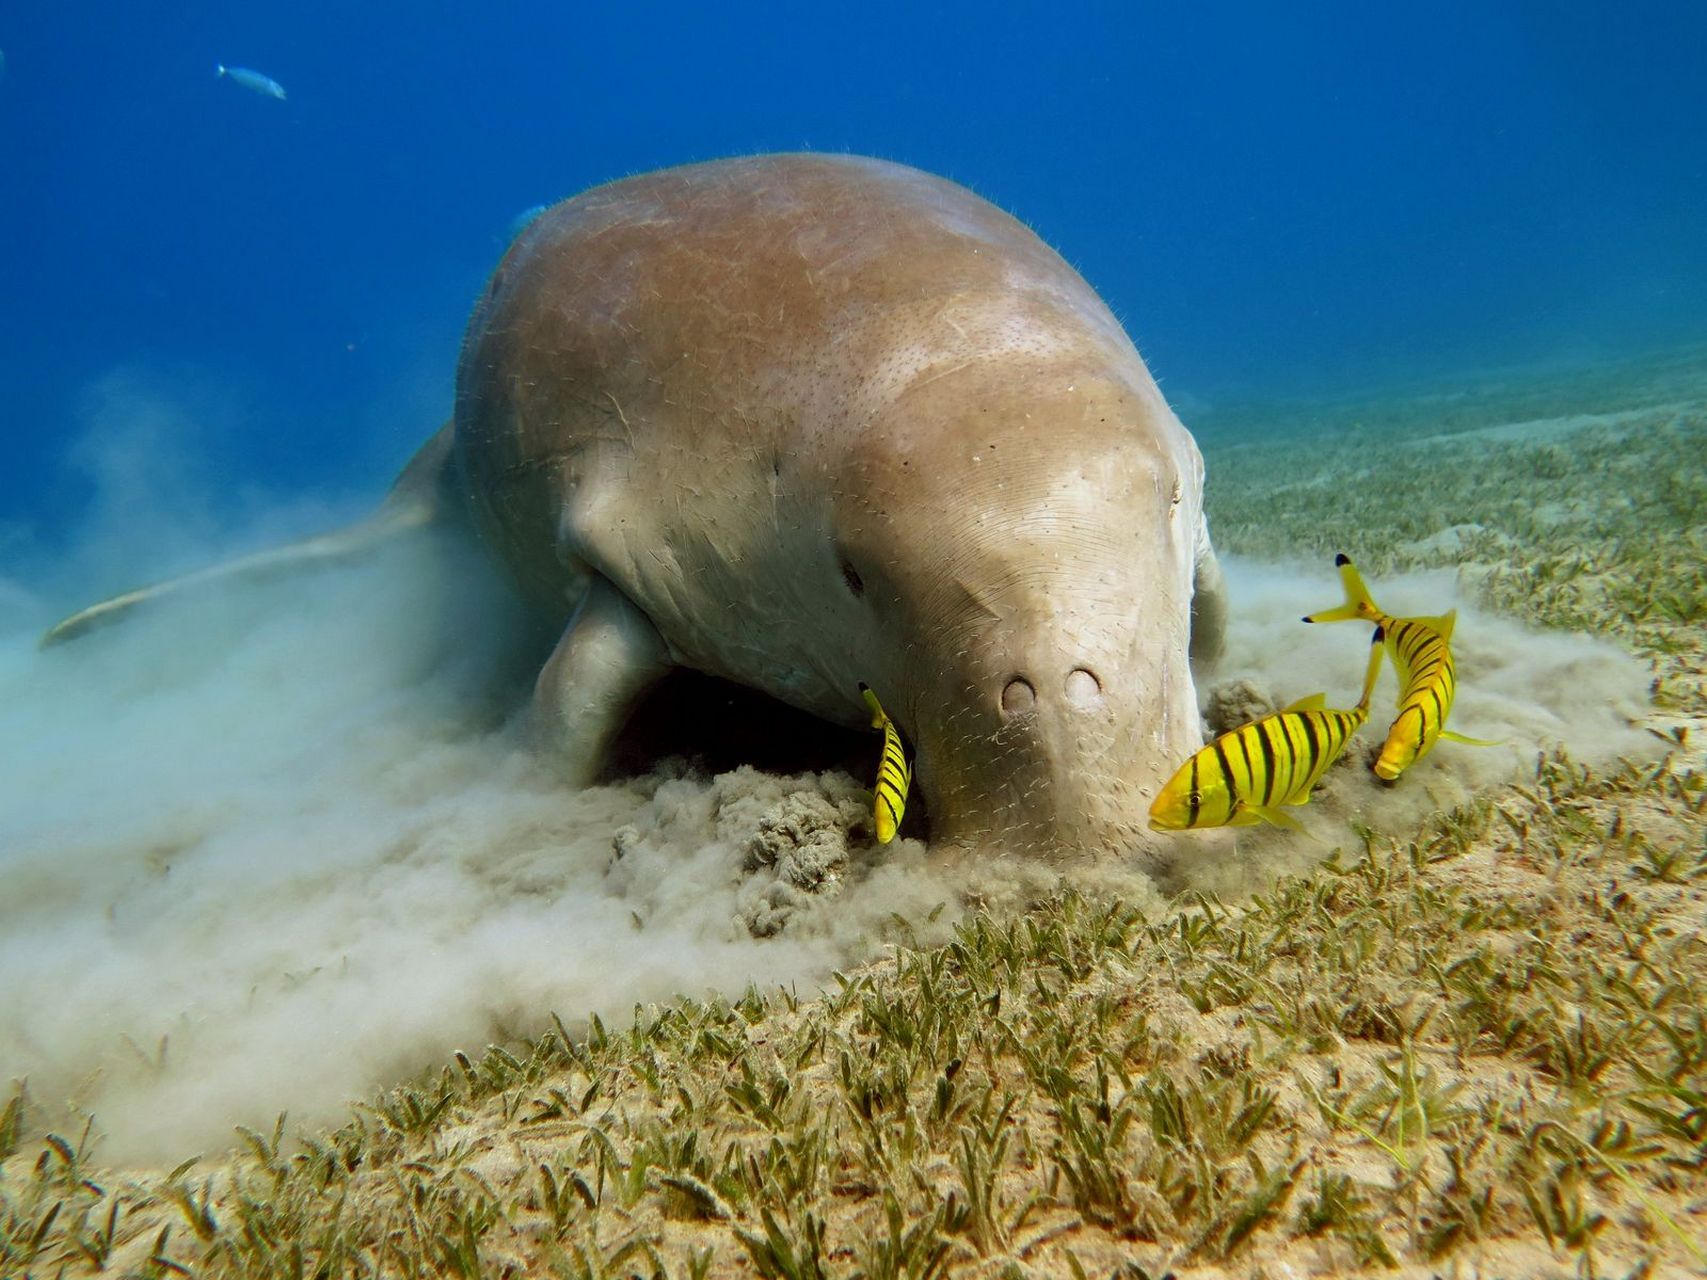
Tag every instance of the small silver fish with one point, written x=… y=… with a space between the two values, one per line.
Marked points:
x=254 y=81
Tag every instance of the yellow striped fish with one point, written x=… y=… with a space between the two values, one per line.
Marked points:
x=1244 y=776
x=1428 y=680
x=894 y=774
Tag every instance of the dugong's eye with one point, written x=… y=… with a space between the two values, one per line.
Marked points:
x=1178 y=493
x=850 y=575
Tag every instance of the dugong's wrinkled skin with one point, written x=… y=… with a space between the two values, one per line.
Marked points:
x=802 y=421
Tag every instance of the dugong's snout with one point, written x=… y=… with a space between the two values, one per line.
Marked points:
x=1058 y=753
x=1036 y=594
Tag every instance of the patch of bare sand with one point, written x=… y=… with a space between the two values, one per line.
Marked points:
x=1552 y=429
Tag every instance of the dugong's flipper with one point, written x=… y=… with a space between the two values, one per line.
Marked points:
x=415 y=501
x=327 y=549
x=1208 y=606
x=610 y=654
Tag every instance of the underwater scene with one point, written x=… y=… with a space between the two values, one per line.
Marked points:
x=997 y=640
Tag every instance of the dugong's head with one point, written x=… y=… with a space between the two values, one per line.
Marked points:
x=1026 y=569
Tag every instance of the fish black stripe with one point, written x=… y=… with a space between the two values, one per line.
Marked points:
x=1267 y=764
x=1281 y=751
x=1309 y=739
x=894 y=813
x=1236 y=739
x=1293 y=756
x=1318 y=758
x=1194 y=798
x=1310 y=732
x=1424 y=647
x=886 y=783
x=1439 y=710
x=1334 y=733
x=1227 y=775
x=1335 y=743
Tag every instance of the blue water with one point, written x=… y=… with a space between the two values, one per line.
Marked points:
x=1275 y=199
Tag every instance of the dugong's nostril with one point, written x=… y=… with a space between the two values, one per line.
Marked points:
x=1018 y=697
x=1082 y=687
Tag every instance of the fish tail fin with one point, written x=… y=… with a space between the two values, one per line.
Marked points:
x=1376 y=649
x=1357 y=602
x=873 y=705
x=416 y=501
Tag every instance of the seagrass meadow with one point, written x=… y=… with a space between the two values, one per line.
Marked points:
x=1472 y=1046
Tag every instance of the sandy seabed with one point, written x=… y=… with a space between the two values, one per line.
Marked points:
x=276 y=851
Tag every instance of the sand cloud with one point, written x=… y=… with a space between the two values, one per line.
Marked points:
x=273 y=848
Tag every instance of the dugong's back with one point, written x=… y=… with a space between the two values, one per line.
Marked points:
x=651 y=352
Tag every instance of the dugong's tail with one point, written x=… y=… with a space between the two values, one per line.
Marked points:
x=416 y=501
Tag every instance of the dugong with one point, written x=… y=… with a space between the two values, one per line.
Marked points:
x=804 y=422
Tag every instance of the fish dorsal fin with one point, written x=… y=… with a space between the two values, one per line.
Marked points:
x=1315 y=702
x=1443 y=624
